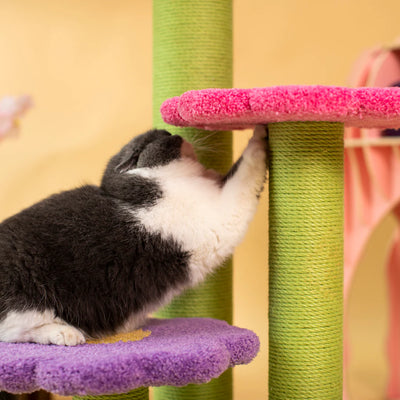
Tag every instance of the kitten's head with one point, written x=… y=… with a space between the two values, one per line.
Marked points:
x=134 y=173
x=154 y=148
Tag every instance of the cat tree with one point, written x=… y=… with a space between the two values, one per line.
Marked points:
x=193 y=50
x=372 y=191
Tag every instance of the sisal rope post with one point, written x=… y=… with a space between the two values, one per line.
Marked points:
x=306 y=260
x=141 y=393
x=137 y=394
x=192 y=49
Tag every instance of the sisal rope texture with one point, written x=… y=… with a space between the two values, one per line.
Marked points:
x=192 y=49
x=306 y=260
x=138 y=394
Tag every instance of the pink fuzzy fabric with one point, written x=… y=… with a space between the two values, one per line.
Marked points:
x=225 y=109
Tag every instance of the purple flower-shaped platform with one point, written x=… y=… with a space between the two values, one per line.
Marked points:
x=177 y=352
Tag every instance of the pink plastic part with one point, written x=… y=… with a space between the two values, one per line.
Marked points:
x=362 y=67
x=221 y=109
x=365 y=207
x=393 y=274
x=372 y=190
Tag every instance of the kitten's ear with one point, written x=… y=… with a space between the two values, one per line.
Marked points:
x=129 y=155
x=128 y=162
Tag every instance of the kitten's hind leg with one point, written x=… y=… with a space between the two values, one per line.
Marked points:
x=38 y=327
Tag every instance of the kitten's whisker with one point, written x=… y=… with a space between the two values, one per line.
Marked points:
x=200 y=137
x=201 y=142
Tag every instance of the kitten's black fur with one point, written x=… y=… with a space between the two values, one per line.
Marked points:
x=77 y=253
x=96 y=260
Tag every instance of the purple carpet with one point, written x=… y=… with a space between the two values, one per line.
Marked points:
x=178 y=352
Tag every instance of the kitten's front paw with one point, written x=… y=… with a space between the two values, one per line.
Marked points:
x=256 y=151
x=260 y=132
x=65 y=335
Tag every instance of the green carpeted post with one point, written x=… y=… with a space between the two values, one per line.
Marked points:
x=192 y=49
x=138 y=394
x=306 y=260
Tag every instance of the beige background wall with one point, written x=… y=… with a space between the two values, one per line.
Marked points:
x=88 y=66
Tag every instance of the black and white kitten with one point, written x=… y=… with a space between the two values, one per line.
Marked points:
x=96 y=260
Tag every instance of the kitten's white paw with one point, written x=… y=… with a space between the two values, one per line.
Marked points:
x=64 y=335
x=256 y=151
x=260 y=132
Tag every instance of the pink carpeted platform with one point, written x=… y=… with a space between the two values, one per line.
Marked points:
x=225 y=109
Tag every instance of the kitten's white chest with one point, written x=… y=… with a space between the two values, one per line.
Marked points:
x=189 y=214
x=207 y=220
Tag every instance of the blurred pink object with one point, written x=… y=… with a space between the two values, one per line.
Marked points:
x=11 y=109
x=372 y=191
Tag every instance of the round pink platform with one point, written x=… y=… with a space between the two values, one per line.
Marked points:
x=225 y=109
